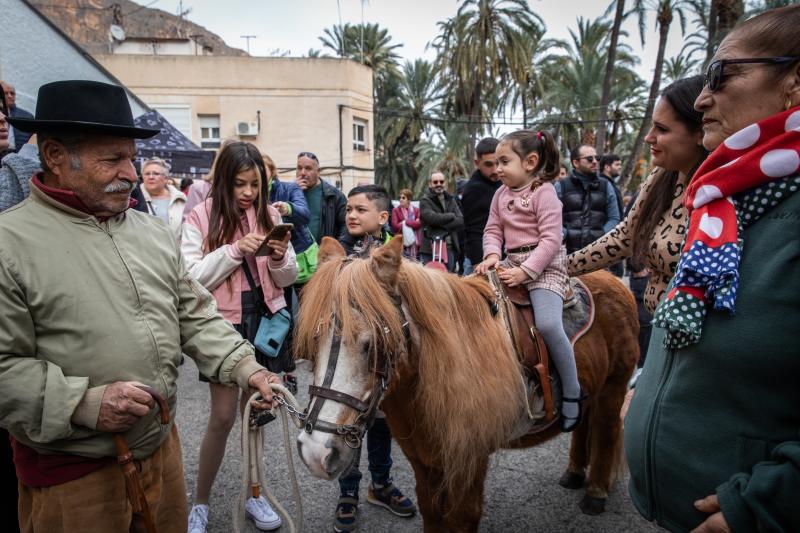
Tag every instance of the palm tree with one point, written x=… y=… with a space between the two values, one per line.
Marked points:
x=619 y=14
x=714 y=20
x=444 y=154
x=372 y=46
x=528 y=85
x=404 y=123
x=759 y=7
x=475 y=49
x=377 y=50
x=572 y=90
x=665 y=13
x=680 y=66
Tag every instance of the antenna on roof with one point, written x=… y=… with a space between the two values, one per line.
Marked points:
x=248 y=37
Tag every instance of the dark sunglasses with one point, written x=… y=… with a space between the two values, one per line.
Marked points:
x=716 y=70
x=590 y=158
x=309 y=155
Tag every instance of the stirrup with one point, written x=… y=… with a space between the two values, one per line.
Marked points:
x=578 y=419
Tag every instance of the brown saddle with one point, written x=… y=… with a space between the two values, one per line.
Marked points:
x=515 y=306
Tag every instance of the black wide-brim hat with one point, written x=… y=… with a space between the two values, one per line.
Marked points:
x=83 y=106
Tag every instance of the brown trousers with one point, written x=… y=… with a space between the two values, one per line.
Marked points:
x=99 y=501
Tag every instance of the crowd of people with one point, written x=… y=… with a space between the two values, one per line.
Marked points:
x=109 y=276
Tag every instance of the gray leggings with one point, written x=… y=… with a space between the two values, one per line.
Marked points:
x=548 y=308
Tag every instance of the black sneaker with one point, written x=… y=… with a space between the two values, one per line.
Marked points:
x=346 y=517
x=389 y=497
x=290 y=382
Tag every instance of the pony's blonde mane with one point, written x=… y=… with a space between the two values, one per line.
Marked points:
x=470 y=392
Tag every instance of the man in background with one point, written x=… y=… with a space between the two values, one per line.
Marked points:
x=441 y=219
x=610 y=168
x=20 y=137
x=477 y=198
x=590 y=201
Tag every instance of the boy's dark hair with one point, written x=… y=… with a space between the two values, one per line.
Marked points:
x=608 y=159
x=375 y=194
x=487 y=145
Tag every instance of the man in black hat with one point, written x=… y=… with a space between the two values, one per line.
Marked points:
x=88 y=323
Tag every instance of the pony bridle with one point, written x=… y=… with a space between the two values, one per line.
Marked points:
x=351 y=433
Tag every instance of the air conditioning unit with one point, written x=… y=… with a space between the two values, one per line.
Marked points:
x=247 y=129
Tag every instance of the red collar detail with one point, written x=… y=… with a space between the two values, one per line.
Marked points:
x=68 y=198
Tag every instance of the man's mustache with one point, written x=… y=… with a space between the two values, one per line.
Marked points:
x=119 y=186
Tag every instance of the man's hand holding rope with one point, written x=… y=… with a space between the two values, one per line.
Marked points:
x=261 y=381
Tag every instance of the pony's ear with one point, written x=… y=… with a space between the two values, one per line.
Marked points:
x=387 y=259
x=329 y=249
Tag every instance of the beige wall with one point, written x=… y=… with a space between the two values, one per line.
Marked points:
x=300 y=101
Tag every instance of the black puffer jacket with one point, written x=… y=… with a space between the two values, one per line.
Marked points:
x=585 y=210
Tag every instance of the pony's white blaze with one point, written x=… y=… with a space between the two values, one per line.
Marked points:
x=326 y=454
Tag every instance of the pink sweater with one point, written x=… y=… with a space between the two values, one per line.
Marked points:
x=539 y=223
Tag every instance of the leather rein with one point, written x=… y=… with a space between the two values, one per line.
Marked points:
x=353 y=434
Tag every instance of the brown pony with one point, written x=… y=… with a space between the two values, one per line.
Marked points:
x=455 y=393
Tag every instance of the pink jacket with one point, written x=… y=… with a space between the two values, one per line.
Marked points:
x=398 y=216
x=213 y=268
x=539 y=223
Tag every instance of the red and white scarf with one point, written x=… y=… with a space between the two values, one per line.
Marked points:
x=708 y=270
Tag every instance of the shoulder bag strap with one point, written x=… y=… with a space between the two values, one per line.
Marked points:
x=253 y=288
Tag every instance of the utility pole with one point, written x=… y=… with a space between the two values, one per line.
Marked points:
x=248 y=37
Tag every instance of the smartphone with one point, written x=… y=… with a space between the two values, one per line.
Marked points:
x=277 y=234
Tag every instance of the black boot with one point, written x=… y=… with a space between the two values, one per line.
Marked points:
x=290 y=382
x=569 y=424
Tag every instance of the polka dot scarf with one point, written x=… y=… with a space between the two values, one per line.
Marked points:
x=761 y=161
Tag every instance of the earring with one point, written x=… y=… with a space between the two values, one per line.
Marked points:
x=788 y=104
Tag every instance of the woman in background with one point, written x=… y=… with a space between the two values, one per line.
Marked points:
x=406 y=215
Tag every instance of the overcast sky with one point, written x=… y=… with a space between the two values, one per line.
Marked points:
x=295 y=25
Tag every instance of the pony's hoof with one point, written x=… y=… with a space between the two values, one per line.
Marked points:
x=592 y=506
x=572 y=480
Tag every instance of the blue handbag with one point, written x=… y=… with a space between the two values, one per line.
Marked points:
x=272 y=332
x=273 y=328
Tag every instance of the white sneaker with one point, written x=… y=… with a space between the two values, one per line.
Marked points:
x=198 y=519
x=259 y=510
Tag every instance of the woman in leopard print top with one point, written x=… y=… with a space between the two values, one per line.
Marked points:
x=653 y=230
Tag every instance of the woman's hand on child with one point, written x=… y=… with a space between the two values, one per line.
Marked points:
x=279 y=247
x=513 y=276
x=250 y=243
x=487 y=264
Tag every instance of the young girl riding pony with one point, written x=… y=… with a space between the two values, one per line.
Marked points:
x=525 y=216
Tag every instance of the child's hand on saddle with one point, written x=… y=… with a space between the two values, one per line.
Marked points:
x=513 y=276
x=486 y=265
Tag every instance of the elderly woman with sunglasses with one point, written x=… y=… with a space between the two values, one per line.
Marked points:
x=712 y=436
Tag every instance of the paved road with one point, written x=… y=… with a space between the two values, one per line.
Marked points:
x=522 y=493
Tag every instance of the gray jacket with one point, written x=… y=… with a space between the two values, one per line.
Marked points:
x=15 y=175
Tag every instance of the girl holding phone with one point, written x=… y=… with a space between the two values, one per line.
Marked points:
x=219 y=242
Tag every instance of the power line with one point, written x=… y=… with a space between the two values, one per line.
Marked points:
x=131 y=12
x=548 y=121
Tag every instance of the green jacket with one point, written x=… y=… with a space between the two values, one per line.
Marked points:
x=723 y=416
x=87 y=303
